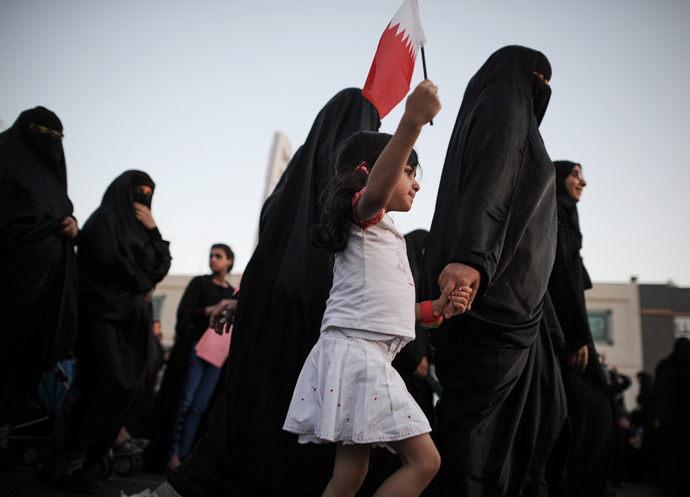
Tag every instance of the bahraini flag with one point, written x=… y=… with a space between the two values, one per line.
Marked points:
x=391 y=71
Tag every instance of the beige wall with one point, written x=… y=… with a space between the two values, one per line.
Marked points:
x=623 y=301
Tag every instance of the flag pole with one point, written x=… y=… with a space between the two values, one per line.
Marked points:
x=431 y=123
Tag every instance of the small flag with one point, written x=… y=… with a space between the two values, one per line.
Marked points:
x=391 y=71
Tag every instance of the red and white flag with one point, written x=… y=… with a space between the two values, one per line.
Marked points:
x=391 y=71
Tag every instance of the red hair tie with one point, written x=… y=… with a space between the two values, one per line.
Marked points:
x=363 y=167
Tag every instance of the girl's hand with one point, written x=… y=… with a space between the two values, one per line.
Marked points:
x=455 y=276
x=422 y=105
x=144 y=215
x=460 y=299
x=456 y=303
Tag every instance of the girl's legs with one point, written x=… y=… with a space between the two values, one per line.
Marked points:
x=420 y=463
x=349 y=470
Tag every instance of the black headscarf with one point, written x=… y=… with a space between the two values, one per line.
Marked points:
x=495 y=206
x=119 y=261
x=502 y=405
x=282 y=299
x=566 y=201
x=37 y=264
x=569 y=278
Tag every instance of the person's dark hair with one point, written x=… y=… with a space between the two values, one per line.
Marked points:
x=228 y=252
x=330 y=232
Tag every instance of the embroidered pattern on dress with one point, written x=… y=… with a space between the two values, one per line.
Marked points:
x=364 y=224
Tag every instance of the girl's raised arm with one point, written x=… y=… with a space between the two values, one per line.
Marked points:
x=420 y=108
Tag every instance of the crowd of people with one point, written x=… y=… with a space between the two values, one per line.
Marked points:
x=344 y=329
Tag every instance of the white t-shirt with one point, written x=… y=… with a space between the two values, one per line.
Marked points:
x=373 y=289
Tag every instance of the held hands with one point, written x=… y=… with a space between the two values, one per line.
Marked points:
x=422 y=105
x=454 y=277
x=69 y=227
x=223 y=312
x=144 y=215
x=578 y=360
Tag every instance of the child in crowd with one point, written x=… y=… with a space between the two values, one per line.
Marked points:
x=347 y=391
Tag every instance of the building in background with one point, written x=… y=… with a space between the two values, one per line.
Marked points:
x=169 y=292
x=665 y=314
x=614 y=318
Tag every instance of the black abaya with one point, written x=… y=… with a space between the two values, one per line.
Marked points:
x=502 y=405
x=119 y=262
x=590 y=411
x=38 y=274
x=281 y=303
x=673 y=407
x=192 y=322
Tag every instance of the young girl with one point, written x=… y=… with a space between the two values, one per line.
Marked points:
x=348 y=392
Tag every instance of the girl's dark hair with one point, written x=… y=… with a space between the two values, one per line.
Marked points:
x=330 y=232
x=228 y=252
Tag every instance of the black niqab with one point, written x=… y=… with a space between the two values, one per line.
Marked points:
x=278 y=319
x=119 y=261
x=37 y=264
x=502 y=405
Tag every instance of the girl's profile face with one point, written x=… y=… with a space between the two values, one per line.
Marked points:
x=405 y=191
x=218 y=261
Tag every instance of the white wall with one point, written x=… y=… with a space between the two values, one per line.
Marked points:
x=623 y=300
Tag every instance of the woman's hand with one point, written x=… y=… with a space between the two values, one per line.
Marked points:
x=149 y=294
x=422 y=369
x=212 y=308
x=69 y=227
x=454 y=277
x=144 y=216
x=226 y=309
x=578 y=360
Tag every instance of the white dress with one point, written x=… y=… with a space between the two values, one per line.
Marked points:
x=348 y=391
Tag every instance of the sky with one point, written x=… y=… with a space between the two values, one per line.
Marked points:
x=192 y=92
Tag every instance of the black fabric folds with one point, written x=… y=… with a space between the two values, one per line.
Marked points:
x=281 y=303
x=502 y=405
x=38 y=279
x=192 y=322
x=590 y=410
x=673 y=407
x=119 y=261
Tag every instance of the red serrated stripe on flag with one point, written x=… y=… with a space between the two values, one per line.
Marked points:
x=391 y=71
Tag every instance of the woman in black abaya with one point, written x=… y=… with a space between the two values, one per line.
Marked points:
x=673 y=408
x=121 y=258
x=494 y=231
x=281 y=303
x=590 y=411
x=38 y=272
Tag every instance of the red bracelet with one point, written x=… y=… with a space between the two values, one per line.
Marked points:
x=428 y=320
x=427 y=311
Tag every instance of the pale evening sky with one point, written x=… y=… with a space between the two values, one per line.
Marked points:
x=192 y=92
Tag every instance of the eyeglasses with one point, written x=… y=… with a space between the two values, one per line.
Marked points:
x=46 y=131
